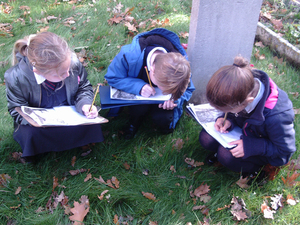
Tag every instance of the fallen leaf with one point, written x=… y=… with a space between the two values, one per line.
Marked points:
x=73 y=161
x=277 y=24
x=55 y=183
x=102 y=194
x=100 y=179
x=15 y=207
x=153 y=222
x=242 y=182
x=116 y=219
x=268 y=213
x=239 y=215
x=259 y=44
x=76 y=172
x=193 y=163
x=86 y=153
x=201 y=190
x=290 y=180
x=178 y=144
x=290 y=200
x=184 y=34
x=79 y=212
x=88 y=176
x=198 y=207
x=18 y=190
x=276 y=201
x=126 y=165
x=130 y=26
x=4 y=178
x=149 y=195
x=172 y=168
x=205 y=198
x=115 y=182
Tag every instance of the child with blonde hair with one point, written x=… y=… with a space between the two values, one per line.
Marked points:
x=45 y=74
x=160 y=52
x=263 y=111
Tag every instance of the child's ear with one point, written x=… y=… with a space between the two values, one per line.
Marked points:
x=249 y=100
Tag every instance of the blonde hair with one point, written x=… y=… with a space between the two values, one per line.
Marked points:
x=45 y=51
x=172 y=71
x=230 y=85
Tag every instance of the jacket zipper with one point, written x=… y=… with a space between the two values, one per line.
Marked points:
x=244 y=128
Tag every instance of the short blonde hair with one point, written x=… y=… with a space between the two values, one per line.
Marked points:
x=173 y=72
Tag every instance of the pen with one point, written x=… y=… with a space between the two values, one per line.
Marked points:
x=94 y=98
x=148 y=76
x=225 y=117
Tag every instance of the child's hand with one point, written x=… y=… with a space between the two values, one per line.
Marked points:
x=168 y=105
x=90 y=114
x=147 y=91
x=238 y=151
x=219 y=125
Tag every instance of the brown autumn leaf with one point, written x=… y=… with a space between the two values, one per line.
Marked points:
x=272 y=171
x=73 y=161
x=76 y=172
x=55 y=183
x=100 y=179
x=178 y=144
x=290 y=200
x=149 y=195
x=197 y=207
x=239 y=215
x=43 y=29
x=130 y=26
x=193 y=163
x=86 y=153
x=205 y=198
x=116 y=219
x=18 y=190
x=153 y=222
x=102 y=194
x=277 y=24
x=297 y=111
x=259 y=44
x=4 y=178
x=24 y=7
x=172 y=168
x=88 y=176
x=15 y=207
x=110 y=184
x=278 y=60
x=242 y=182
x=115 y=19
x=225 y=207
x=270 y=66
x=115 y=181
x=266 y=210
x=79 y=212
x=291 y=180
x=201 y=190
x=184 y=35
x=126 y=165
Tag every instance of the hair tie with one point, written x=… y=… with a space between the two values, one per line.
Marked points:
x=235 y=65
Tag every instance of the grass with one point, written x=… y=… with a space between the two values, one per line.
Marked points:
x=148 y=151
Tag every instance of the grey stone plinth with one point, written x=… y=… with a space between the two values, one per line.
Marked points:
x=219 y=30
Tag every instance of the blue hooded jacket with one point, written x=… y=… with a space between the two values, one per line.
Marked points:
x=123 y=71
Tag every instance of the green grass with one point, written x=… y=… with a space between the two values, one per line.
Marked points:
x=148 y=150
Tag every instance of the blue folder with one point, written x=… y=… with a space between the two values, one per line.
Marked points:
x=107 y=102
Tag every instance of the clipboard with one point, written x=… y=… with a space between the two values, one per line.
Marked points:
x=35 y=124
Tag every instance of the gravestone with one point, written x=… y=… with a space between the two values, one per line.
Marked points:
x=219 y=31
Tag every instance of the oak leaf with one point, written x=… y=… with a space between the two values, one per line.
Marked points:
x=115 y=19
x=242 y=182
x=153 y=222
x=55 y=183
x=102 y=194
x=198 y=207
x=277 y=201
x=205 y=198
x=4 y=178
x=115 y=182
x=178 y=144
x=239 y=215
x=126 y=165
x=193 y=163
x=100 y=179
x=290 y=200
x=172 y=168
x=130 y=26
x=116 y=219
x=295 y=163
x=79 y=212
x=259 y=44
x=149 y=195
x=266 y=210
x=277 y=24
x=201 y=190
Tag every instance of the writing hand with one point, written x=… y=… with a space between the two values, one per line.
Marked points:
x=238 y=151
x=90 y=114
x=219 y=125
x=168 y=105
x=147 y=91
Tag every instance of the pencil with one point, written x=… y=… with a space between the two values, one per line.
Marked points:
x=94 y=97
x=148 y=76
x=225 y=117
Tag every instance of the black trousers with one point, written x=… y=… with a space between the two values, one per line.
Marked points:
x=161 y=118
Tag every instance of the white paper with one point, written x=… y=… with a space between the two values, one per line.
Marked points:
x=122 y=95
x=206 y=115
x=58 y=116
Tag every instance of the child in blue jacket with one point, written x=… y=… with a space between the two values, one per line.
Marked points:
x=165 y=59
x=263 y=111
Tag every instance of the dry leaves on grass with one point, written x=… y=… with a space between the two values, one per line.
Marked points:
x=4 y=178
x=80 y=210
x=238 y=209
x=193 y=163
x=149 y=195
x=113 y=182
x=291 y=180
